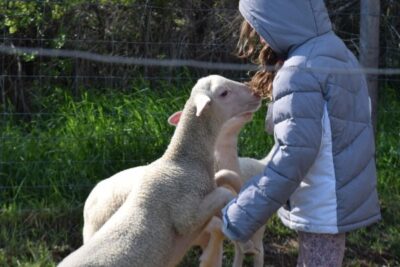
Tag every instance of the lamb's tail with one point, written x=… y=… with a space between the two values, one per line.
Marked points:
x=229 y=179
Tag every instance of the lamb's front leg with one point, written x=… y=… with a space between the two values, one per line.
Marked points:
x=253 y=246
x=190 y=215
x=212 y=204
x=240 y=250
x=188 y=228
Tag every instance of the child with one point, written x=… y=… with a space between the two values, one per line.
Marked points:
x=322 y=174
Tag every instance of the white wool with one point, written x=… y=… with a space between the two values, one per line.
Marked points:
x=106 y=198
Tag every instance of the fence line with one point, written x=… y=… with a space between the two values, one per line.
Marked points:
x=139 y=77
x=143 y=78
x=126 y=60
x=113 y=41
x=112 y=59
x=172 y=44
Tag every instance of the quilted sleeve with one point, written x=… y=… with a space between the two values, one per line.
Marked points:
x=297 y=116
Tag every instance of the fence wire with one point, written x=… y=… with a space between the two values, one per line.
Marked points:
x=176 y=63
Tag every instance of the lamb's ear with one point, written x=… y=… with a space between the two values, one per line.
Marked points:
x=174 y=118
x=201 y=101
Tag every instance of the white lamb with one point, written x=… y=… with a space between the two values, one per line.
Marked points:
x=177 y=194
x=226 y=157
x=109 y=194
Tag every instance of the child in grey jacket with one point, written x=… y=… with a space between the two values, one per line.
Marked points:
x=322 y=174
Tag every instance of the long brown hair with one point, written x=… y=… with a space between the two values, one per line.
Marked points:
x=250 y=47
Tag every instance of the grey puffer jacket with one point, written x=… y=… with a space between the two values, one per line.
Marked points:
x=322 y=174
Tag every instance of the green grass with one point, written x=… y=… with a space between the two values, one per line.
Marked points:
x=50 y=163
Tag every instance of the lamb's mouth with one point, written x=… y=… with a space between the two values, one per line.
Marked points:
x=253 y=107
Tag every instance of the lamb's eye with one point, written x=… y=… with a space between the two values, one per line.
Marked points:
x=224 y=93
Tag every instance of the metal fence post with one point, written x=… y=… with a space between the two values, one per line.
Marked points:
x=369 y=48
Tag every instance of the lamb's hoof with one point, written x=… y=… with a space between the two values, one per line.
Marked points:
x=227 y=194
x=229 y=179
x=215 y=225
x=248 y=247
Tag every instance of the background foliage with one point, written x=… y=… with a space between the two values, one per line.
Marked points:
x=196 y=29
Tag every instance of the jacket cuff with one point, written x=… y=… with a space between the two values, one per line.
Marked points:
x=227 y=228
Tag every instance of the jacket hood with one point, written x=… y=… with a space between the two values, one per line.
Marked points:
x=285 y=24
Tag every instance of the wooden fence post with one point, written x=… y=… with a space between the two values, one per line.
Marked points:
x=369 y=48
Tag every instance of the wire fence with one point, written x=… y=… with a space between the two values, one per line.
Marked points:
x=92 y=46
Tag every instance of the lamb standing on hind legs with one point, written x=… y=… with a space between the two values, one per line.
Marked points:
x=176 y=196
x=226 y=158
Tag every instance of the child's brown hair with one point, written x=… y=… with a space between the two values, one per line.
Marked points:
x=250 y=46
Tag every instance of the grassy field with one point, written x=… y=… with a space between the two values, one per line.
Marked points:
x=50 y=162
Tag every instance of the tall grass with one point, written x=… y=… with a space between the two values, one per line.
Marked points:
x=50 y=163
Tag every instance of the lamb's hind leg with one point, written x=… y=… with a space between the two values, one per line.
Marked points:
x=239 y=256
x=212 y=253
x=259 y=246
x=259 y=259
x=211 y=205
x=254 y=246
